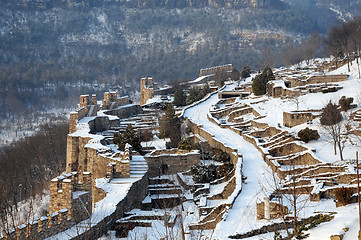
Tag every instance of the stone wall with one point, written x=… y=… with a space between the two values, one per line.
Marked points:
x=125 y=111
x=214 y=143
x=227 y=191
x=319 y=79
x=286 y=149
x=137 y=192
x=147 y=88
x=70 y=203
x=211 y=220
x=212 y=70
x=42 y=228
x=274 y=227
x=170 y=161
x=232 y=94
x=276 y=210
x=292 y=86
x=294 y=118
x=65 y=193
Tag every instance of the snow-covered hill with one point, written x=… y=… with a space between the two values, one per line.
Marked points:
x=241 y=217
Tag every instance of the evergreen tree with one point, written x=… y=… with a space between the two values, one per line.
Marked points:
x=179 y=98
x=235 y=74
x=260 y=81
x=128 y=136
x=170 y=126
x=245 y=72
x=220 y=76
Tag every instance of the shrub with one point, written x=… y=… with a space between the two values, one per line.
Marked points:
x=330 y=115
x=343 y=195
x=260 y=81
x=245 y=72
x=186 y=144
x=307 y=135
x=179 y=98
x=235 y=74
x=128 y=136
x=220 y=156
x=169 y=127
x=196 y=94
x=208 y=173
x=224 y=169
x=345 y=103
x=204 y=173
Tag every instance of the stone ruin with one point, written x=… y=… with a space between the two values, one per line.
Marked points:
x=282 y=151
x=213 y=70
x=293 y=86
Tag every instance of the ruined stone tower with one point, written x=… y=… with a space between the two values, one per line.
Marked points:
x=147 y=88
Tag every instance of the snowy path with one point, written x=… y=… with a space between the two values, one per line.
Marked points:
x=242 y=217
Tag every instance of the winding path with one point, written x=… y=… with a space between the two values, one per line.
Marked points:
x=242 y=216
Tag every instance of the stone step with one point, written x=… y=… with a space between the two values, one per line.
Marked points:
x=163 y=185
x=138 y=166
x=158 y=191
x=142 y=168
x=153 y=181
x=139 y=171
x=137 y=162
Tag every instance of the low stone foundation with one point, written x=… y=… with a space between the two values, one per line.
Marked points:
x=171 y=161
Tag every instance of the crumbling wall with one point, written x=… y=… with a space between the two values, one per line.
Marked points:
x=168 y=162
x=198 y=130
x=212 y=70
x=276 y=210
x=125 y=111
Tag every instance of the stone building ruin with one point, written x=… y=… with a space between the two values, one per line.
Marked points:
x=213 y=70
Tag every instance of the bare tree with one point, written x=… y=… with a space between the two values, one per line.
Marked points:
x=331 y=120
x=268 y=57
x=295 y=98
x=308 y=49
x=274 y=184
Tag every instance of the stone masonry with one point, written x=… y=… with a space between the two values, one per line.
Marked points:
x=212 y=70
x=147 y=88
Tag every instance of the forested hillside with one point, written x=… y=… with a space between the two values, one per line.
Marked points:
x=58 y=49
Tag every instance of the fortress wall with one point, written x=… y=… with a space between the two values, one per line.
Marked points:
x=76 y=153
x=175 y=163
x=198 y=129
x=67 y=207
x=212 y=70
x=327 y=79
x=42 y=228
x=291 y=119
x=137 y=192
x=275 y=209
x=125 y=112
x=57 y=222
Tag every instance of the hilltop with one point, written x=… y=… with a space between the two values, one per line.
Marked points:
x=263 y=167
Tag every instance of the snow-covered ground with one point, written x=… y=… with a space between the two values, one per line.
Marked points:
x=242 y=217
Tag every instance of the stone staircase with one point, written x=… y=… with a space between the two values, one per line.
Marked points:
x=141 y=219
x=357 y=116
x=138 y=166
x=164 y=194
